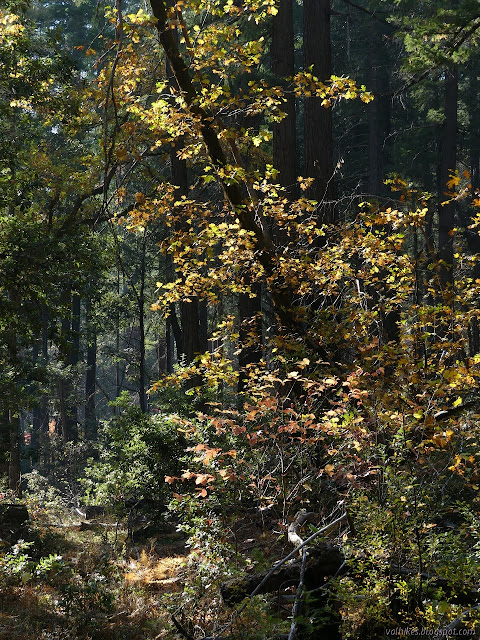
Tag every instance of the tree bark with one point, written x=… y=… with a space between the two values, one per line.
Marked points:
x=474 y=125
x=11 y=407
x=472 y=236
x=283 y=67
x=448 y=161
x=119 y=375
x=191 y=341
x=318 y=137
x=377 y=116
x=170 y=346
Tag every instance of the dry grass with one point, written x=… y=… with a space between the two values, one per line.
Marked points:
x=100 y=595
x=163 y=573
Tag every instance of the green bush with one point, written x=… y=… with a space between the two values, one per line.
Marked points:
x=135 y=452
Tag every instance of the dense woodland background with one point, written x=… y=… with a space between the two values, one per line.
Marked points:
x=239 y=276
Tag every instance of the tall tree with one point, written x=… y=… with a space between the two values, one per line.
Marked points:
x=70 y=348
x=91 y=373
x=318 y=138
x=283 y=66
x=447 y=167
x=193 y=338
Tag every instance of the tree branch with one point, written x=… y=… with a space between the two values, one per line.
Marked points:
x=372 y=14
x=282 y=294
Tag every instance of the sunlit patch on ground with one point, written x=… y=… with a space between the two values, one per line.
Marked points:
x=163 y=572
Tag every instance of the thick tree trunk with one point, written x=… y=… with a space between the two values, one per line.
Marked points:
x=448 y=161
x=318 y=138
x=474 y=125
x=4 y=442
x=73 y=361
x=176 y=338
x=11 y=408
x=376 y=128
x=170 y=346
x=191 y=341
x=283 y=66
x=189 y=311
x=473 y=238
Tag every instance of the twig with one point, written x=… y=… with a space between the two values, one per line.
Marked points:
x=372 y=14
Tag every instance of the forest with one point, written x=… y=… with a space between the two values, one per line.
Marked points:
x=239 y=319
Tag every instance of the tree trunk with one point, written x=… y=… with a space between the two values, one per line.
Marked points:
x=283 y=66
x=71 y=356
x=4 y=442
x=250 y=338
x=176 y=338
x=40 y=416
x=191 y=341
x=91 y=375
x=142 y=391
x=448 y=161
x=73 y=361
x=375 y=128
x=473 y=238
x=118 y=373
x=14 y=467
x=474 y=126
x=318 y=139
x=170 y=346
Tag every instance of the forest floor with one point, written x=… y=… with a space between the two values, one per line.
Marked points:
x=71 y=581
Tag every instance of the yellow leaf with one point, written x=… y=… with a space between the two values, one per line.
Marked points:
x=453 y=182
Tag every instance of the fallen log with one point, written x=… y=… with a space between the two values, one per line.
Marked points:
x=324 y=560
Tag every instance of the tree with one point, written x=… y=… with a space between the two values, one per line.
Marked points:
x=283 y=68
x=318 y=140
